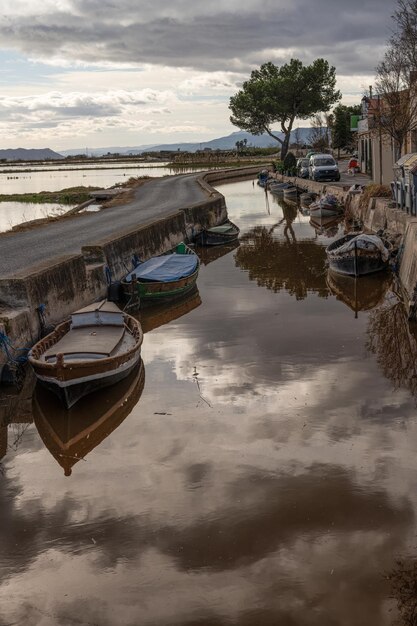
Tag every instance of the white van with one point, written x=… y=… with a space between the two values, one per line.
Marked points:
x=323 y=167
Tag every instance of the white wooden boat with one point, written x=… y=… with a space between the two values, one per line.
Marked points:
x=326 y=206
x=97 y=347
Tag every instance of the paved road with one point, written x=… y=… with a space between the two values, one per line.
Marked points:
x=157 y=198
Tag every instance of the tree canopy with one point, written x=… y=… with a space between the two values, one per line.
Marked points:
x=283 y=94
x=343 y=137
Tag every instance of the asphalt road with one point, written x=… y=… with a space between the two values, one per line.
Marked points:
x=20 y=251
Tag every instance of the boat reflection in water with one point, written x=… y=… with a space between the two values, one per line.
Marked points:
x=151 y=318
x=327 y=226
x=359 y=294
x=208 y=255
x=71 y=434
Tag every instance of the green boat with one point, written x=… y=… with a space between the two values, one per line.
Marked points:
x=163 y=278
x=218 y=235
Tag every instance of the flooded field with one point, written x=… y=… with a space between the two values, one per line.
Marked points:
x=259 y=469
x=43 y=178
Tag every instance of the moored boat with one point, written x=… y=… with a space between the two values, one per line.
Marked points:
x=358 y=254
x=326 y=206
x=218 y=235
x=290 y=193
x=97 y=347
x=279 y=188
x=163 y=278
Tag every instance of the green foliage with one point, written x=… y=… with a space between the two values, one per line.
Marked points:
x=279 y=167
x=343 y=137
x=290 y=164
x=72 y=195
x=283 y=94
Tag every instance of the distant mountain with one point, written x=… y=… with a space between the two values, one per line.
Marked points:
x=222 y=143
x=34 y=154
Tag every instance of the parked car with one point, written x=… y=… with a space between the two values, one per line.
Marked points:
x=323 y=167
x=302 y=167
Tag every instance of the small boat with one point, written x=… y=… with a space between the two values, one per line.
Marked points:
x=326 y=206
x=97 y=347
x=218 y=235
x=290 y=193
x=263 y=177
x=163 y=278
x=279 y=188
x=71 y=434
x=306 y=199
x=358 y=254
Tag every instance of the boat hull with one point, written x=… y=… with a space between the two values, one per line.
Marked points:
x=160 y=292
x=207 y=238
x=69 y=392
x=362 y=267
x=325 y=212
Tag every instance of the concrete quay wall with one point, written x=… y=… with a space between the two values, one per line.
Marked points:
x=74 y=281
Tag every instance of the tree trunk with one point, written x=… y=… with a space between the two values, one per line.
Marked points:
x=285 y=144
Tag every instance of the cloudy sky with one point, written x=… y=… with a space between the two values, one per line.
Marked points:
x=96 y=73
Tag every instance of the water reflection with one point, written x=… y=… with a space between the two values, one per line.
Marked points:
x=296 y=267
x=209 y=254
x=359 y=294
x=403 y=580
x=393 y=341
x=153 y=317
x=71 y=434
x=327 y=226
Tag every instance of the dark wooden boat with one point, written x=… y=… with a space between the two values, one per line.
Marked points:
x=97 y=347
x=71 y=434
x=218 y=235
x=358 y=254
x=163 y=278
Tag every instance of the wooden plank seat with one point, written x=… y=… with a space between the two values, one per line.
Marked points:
x=98 y=340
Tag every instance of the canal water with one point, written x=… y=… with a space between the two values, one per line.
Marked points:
x=259 y=470
x=18 y=179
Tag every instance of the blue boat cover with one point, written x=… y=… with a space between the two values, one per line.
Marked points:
x=165 y=269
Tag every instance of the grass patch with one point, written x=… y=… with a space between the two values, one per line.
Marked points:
x=374 y=191
x=71 y=195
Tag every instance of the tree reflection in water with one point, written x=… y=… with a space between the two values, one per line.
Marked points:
x=297 y=267
x=403 y=580
x=393 y=340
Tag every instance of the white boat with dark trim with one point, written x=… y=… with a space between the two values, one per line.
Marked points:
x=326 y=206
x=97 y=347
